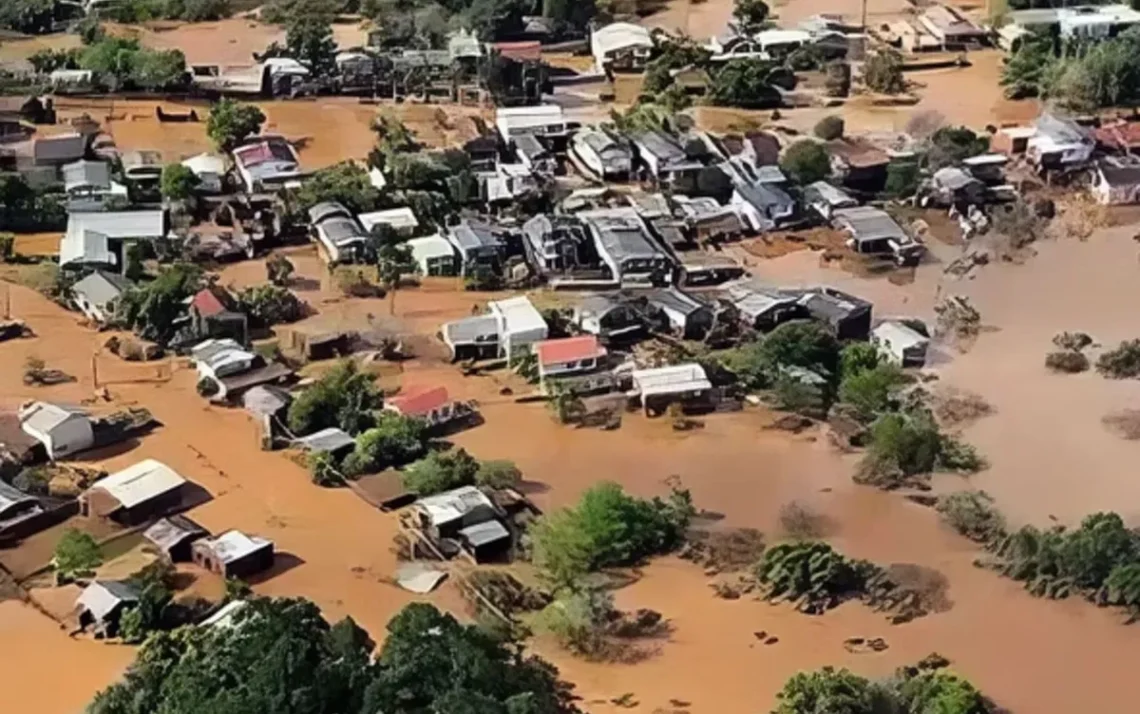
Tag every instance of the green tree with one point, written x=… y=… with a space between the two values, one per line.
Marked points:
x=441 y=471
x=813 y=574
x=111 y=59
x=494 y=19
x=76 y=554
x=902 y=179
x=949 y=145
x=178 y=182
x=278 y=269
x=746 y=83
x=152 y=309
x=882 y=72
x=806 y=162
x=158 y=69
x=802 y=343
x=346 y=183
x=607 y=528
x=498 y=474
x=1028 y=70
x=872 y=392
x=752 y=15
x=829 y=127
x=310 y=42
x=394 y=441
x=133 y=269
x=828 y=691
x=269 y=305
x=231 y=122
x=858 y=357
x=343 y=397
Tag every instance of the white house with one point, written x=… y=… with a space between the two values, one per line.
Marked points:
x=900 y=343
x=434 y=255
x=402 y=220
x=89 y=234
x=520 y=322
x=544 y=119
x=568 y=355
x=210 y=170
x=95 y=295
x=602 y=155
x=620 y=45
x=89 y=186
x=62 y=431
x=216 y=359
x=672 y=383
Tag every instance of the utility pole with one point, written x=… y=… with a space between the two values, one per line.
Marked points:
x=864 y=18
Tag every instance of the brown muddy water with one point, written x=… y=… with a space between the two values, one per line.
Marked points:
x=1049 y=452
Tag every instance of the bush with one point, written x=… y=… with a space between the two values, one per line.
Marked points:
x=921 y=689
x=7 y=247
x=1122 y=362
x=394 y=441
x=972 y=514
x=1067 y=361
x=872 y=392
x=498 y=474
x=829 y=127
x=76 y=554
x=882 y=72
x=231 y=122
x=813 y=574
x=343 y=397
x=269 y=305
x=905 y=445
x=178 y=182
x=902 y=179
x=607 y=528
x=798 y=395
x=1075 y=341
x=799 y=522
x=838 y=83
x=323 y=468
x=577 y=620
x=806 y=162
x=278 y=270
x=441 y=471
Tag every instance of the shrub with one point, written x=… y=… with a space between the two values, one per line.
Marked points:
x=838 y=82
x=921 y=689
x=607 y=528
x=972 y=514
x=268 y=305
x=1075 y=341
x=882 y=72
x=577 y=620
x=178 y=182
x=323 y=468
x=800 y=522
x=1122 y=362
x=902 y=179
x=394 y=441
x=76 y=554
x=813 y=574
x=498 y=474
x=872 y=392
x=798 y=395
x=905 y=445
x=829 y=127
x=441 y=471
x=1067 y=361
x=806 y=162
x=343 y=397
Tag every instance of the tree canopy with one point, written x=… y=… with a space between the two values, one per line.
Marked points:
x=343 y=397
x=441 y=471
x=231 y=122
x=607 y=528
x=806 y=161
x=926 y=688
x=178 y=182
x=150 y=309
x=75 y=554
x=310 y=41
x=394 y=441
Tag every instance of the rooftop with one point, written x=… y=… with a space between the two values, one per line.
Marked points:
x=518 y=314
x=899 y=334
x=327 y=440
x=485 y=533
x=166 y=533
x=234 y=545
x=402 y=217
x=101 y=287
x=453 y=505
x=619 y=36
x=43 y=417
x=140 y=483
x=101 y=597
x=568 y=349
x=419 y=401
x=119 y=225
x=86 y=174
x=12 y=497
x=60 y=147
x=671 y=380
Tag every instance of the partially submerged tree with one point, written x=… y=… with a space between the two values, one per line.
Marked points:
x=310 y=41
x=151 y=309
x=441 y=471
x=1122 y=362
x=393 y=442
x=178 y=182
x=973 y=514
x=752 y=15
x=882 y=72
x=278 y=270
x=76 y=554
x=806 y=162
x=343 y=397
x=828 y=128
x=498 y=473
x=231 y=122
x=812 y=574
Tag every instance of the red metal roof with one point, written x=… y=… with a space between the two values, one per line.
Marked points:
x=520 y=51
x=207 y=303
x=568 y=349
x=1125 y=135
x=419 y=401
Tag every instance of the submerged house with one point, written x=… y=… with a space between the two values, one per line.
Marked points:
x=173 y=536
x=434 y=256
x=620 y=46
x=624 y=244
x=901 y=343
x=559 y=243
x=872 y=231
x=680 y=313
x=568 y=356
x=267 y=163
x=60 y=149
x=226 y=369
x=763 y=308
x=1059 y=143
x=664 y=161
x=603 y=155
x=763 y=206
x=62 y=431
x=848 y=317
x=479 y=245
x=95 y=238
x=95 y=295
x=89 y=186
x=337 y=232
x=213 y=314
x=466 y=520
x=431 y=404
x=858 y=164
x=1116 y=180
x=101 y=605
x=545 y=120
x=19 y=513
x=508 y=325
x=234 y=554
x=609 y=317
x=135 y=494
x=659 y=387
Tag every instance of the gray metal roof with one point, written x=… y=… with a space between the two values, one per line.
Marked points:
x=675 y=300
x=529 y=145
x=484 y=533
x=167 y=533
x=341 y=230
x=101 y=287
x=234 y=545
x=331 y=440
x=265 y=399
x=621 y=233
x=659 y=145
x=62 y=147
x=869 y=223
x=470 y=330
x=101 y=597
x=469 y=235
x=327 y=209
x=84 y=174
x=764 y=196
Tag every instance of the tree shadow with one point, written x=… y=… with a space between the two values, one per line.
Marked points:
x=530 y=488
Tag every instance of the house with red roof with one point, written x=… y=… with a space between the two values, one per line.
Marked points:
x=212 y=314
x=432 y=404
x=568 y=356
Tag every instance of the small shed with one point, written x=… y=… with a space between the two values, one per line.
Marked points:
x=568 y=355
x=901 y=343
x=331 y=440
x=95 y=295
x=62 y=431
x=608 y=317
x=234 y=554
x=102 y=603
x=402 y=220
x=173 y=537
x=661 y=386
x=135 y=494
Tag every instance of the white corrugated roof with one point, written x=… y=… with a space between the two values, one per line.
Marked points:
x=619 y=36
x=80 y=246
x=899 y=335
x=453 y=505
x=140 y=483
x=402 y=217
x=235 y=545
x=119 y=225
x=206 y=164
x=44 y=417
x=672 y=379
x=428 y=247
x=102 y=596
x=518 y=314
